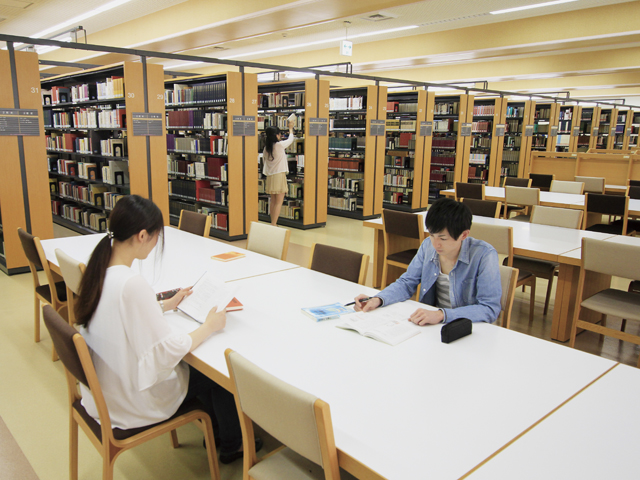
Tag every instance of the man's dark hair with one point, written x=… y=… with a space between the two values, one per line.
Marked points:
x=446 y=213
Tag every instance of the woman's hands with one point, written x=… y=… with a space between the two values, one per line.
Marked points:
x=173 y=302
x=215 y=321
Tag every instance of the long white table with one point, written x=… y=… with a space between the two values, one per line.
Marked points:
x=591 y=437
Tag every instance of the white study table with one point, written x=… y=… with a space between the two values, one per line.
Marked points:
x=591 y=437
x=185 y=258
x=543 y=242
x=421 y=409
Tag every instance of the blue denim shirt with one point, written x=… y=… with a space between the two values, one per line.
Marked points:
x=475 y=287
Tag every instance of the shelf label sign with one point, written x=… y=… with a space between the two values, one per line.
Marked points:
x=19 y=121
x=146 y=124
x=554 y=131
x=500 y=129
x=628 y=132
x=528 y=131
x=576 y=131
x=465 y=130
x=318 y=127
x=377 y=128
x=426 y=129
x=244 y=125
x=594 y=132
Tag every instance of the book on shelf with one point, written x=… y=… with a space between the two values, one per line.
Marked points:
x=207 y=293
x=228 y=256
x=326 y=312
x=389 y=325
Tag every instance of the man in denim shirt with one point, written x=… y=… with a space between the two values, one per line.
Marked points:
x=456 y=273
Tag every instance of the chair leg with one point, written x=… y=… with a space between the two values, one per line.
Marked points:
x=107 y=465
x=73 y=448
x=385 y=269
x=174 y=439
x=623 y=325
x=54 y=354
x=37 y=320
x=210 y=443
x=548 y=297
x=532 y=301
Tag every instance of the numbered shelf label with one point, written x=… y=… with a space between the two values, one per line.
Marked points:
x=426 y=129
x=147 y=124
x=14 y=121
x=318 y=127
x=377 y=128
x=244 y=125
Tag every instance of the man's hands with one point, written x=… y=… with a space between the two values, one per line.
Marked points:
x=173 y=302
x=366 y=306
x=426 y=317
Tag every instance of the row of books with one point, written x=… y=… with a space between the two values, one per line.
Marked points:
x=341 y=183
x=484 y=109
x=214 y=145
x=392 y=179
x=84 y=216
x=513 y=126
x=295 y=190
x=279 y=120
x=216 y=194
x=510 y=156
x=442 y=175
x=443 y=142
x=86 y=118
x=512 y=142
x=400 y=124
x=210 y=92
x=93 y=194
x=539 y=142
x=604 y=117
x=481 y=127
x=197 y=119
x=341 y=123
x=481 y=142
x=116 y=173
x=443 y=158
x=111 y=88
x=563 y=140
x=212 y=168
x=348 y=164
x=398 y=161
x=402 y=107
x=477 y=174
x=515 y=111
x=509 y=170
x=346 y=143
x=348 y=204
x=91 y=145
x=543 y=113
x=564 y=126
x=446 y=108
x=565 y=114
x=446 y=125
x=347 y=103
x=479 y=158
x=404 y=140
x=281 y=100
x=395 y=198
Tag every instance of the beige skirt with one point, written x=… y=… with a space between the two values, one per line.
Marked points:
x=276 y=183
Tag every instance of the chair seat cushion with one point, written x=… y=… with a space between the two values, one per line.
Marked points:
x=522 y=274
x=615 y=302
x=540 y=268
x=521 y=218
x=403 y=257
x=44 y=292
x=286 y=464
x=634 y=286
x=632 y=225
x=606 y=228
x=120 y=434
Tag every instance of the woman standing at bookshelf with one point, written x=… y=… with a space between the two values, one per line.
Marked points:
x=136 y=354
x=276 y=168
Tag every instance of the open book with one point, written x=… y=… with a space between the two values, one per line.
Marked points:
x=207 y=293
x=390 y=324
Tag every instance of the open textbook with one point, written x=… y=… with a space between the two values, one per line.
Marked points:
x=207 y=293
x=390 y=324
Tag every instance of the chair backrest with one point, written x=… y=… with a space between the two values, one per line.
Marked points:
x=611 y=258
x=522 y=196
x=560 y=186
x=483 y=208
x=268 y=240
x=284 y=411
x=541 y=181
x=37 y=259
x=469 y=190
x=508 y=281
x=634 y=183
x=606 y=204
x=196 y=223
x=499 y=237
x=339 y=262
x=28 y=242
x=516 y=182
x=633 y=192
x=591 y=184
x=403 y=224
x=72 y=270
x=557 y=217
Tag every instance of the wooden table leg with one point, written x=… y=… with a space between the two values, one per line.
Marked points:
x=378 y=257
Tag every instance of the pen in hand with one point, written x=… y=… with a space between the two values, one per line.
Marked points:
x=363 y=300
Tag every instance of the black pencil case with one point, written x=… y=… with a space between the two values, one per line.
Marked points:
x=452 y=331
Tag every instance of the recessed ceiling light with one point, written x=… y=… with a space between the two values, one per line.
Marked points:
x=528 y=7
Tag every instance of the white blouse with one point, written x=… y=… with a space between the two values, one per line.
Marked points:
x=279 y=163
x=135 y=352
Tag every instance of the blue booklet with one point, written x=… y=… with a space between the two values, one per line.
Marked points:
x=326 y=312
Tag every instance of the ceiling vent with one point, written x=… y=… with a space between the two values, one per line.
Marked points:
x=379 y=17
x=456 y=19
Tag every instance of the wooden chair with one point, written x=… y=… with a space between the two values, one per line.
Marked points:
x=401 y=230
x=523 y=198
x=608 y=258
x=633 y=183
x=509 y=281
x=54 y=293
x=501 y=238
x=612 y=205
x=339 y=262
x=469 y=190
x=111 y=442
x=268 y=240
x=483 y=208
x=560 y=186
x=541 y=181
x=591 y=184
x=516 y=182
x=557 y=217
x=72 y=272
x=296 y=418
x=196 y=223
x=633 y=224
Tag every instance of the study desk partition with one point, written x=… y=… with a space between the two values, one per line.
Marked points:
x=591 y=437
x=542 y=242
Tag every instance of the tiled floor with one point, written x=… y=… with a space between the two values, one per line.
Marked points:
x=33 y=399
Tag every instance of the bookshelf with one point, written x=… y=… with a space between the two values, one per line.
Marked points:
x=407 y=151
x=588 y=128
x=515 y=144
x=568 y=128
x=94 y=155
x=357 y=120
x=24 y=201
x=606 y=129
x=304 y=206
x=485 y=152
x=545 y=127
x=622 y=132
x=449 y=151
x=634 y=130
x=211 y=161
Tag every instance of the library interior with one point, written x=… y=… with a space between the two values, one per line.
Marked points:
x=525 y=111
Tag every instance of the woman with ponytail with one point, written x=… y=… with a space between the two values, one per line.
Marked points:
x=136 y=354
x=276 y=168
